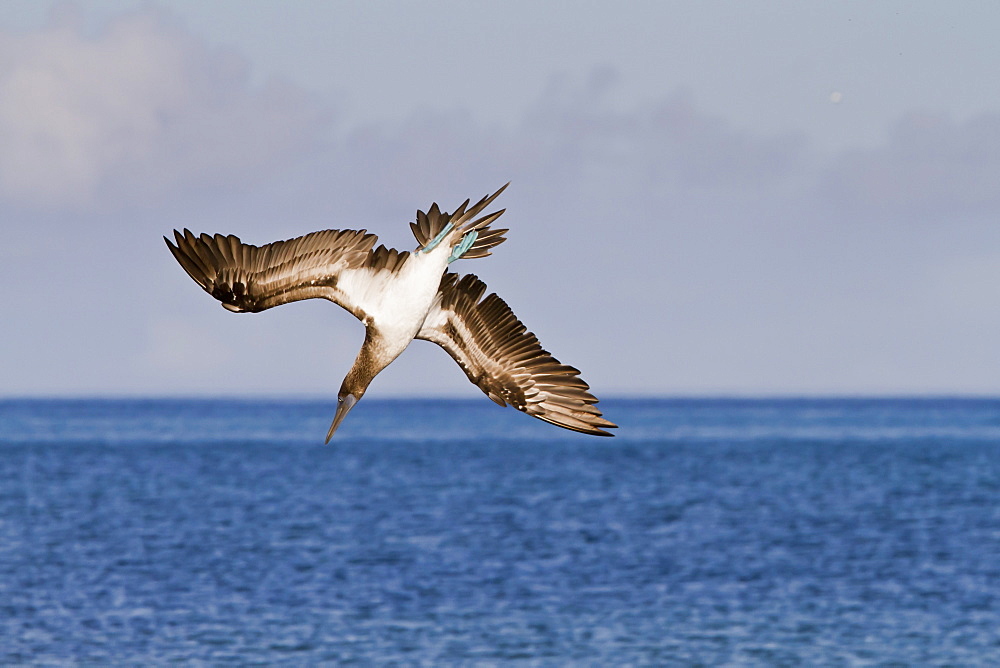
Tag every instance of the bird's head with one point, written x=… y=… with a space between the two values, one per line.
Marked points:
x=350 y=393
x=345 y=402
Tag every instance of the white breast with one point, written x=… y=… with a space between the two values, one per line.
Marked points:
x=397 y=302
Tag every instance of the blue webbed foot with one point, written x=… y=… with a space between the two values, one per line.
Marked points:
x=464 y=245
x=436 y=240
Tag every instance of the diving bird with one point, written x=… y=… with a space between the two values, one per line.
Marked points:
x=401 y=296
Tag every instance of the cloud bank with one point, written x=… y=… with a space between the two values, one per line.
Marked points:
x=136 y=111
x=658 y=248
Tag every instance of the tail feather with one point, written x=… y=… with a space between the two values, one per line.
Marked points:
x=487 y=239
x=429 y=225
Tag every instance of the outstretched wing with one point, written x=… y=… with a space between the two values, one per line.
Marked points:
x=505 y=360
x=250 y=278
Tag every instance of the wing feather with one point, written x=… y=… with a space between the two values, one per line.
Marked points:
x=245 y=277
x=505 y=360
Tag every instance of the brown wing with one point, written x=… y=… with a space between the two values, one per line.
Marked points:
x=505 y=360
x=250 y=278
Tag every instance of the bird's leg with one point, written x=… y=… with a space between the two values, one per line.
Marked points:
x=436 y=240
x=464 y=245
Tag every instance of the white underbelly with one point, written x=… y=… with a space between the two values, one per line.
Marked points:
x=397 y=302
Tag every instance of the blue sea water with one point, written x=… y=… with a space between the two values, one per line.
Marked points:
x=709 y=532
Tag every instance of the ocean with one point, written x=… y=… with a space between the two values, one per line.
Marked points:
x=841 y=532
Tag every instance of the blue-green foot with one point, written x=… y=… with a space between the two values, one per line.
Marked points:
x=436 y=240
x=463 y=245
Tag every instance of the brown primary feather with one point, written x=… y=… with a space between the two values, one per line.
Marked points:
x=505 y=360
x=245 y=277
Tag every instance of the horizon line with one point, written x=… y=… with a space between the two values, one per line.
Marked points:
x=666 y=396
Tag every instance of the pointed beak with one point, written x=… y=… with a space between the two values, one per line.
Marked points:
x=344 y=406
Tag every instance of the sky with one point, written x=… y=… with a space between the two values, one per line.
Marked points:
x=707 y=198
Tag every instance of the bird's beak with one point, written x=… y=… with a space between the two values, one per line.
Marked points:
x=344 y=406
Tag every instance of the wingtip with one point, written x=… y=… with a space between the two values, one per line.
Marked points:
x=595 y=430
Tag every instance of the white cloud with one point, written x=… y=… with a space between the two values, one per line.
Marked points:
x=930 y=167
x=134 y=111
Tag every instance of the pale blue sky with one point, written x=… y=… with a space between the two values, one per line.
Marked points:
x=707 y=197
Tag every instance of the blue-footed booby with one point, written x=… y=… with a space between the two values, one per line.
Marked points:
x=401 y=296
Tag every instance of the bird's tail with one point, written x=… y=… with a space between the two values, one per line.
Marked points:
x=436 y=227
